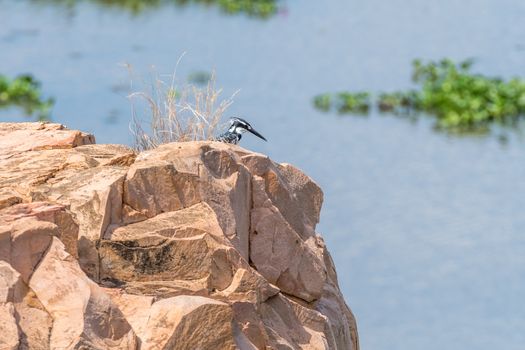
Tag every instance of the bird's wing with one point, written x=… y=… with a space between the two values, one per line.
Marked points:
x=228 y=137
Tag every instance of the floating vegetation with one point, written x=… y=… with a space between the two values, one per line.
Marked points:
x=344 y=102
x=254 y=8
x=460 y=100
x=134 y=6
x=357 y=103
x=323 y=102
x=199 y=77
x=24 y=91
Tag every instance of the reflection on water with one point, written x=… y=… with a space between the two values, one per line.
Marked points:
x=426 y=229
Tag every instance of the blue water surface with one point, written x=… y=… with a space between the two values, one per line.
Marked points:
x=427 y=230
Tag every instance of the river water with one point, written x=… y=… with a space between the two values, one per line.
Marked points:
x=427 y=230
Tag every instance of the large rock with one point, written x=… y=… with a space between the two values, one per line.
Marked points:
x=53 y=304
x=196 y=245
x=178 y=175
x=94 y=195
x=9 y=283
x=185 y=248
x=280 y=253
x=9 y=338
x=53 y=213
x=83 y=315
x=34 y=322
x=181 y=322
x=47 y=162
x=27 y=233
x=21 y=137
x=31 y=324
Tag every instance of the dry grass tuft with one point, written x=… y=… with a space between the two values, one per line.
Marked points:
x=176 y=114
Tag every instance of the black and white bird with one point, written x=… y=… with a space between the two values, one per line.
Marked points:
x=234 y=133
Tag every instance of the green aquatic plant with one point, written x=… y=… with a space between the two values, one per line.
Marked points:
x=134 y=6
x=323 y=102
x=199 y=77
x=24 y=92
x=459 y=99
x=343 y=102
x=357 y=103
x=399 y=102
x=257 y=8
x=253 y=8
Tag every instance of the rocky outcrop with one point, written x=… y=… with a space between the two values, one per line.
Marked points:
x=197 y=245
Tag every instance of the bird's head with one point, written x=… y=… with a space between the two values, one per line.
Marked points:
x=240 y=126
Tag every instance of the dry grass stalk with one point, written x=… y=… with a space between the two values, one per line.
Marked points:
x=176 y=114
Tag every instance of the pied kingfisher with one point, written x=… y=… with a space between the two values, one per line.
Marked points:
x=237 y=127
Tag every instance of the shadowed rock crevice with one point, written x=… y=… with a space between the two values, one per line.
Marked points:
x=204 y=245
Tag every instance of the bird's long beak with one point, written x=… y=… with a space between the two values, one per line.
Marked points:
x=252 y=130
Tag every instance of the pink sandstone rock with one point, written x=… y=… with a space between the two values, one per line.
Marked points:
x=9 y=282
x=21 y=137
x=24 y=322
x=83 y=315
x=9 y=338
x=187 y=173
x=280 y=254
x=195 y=245
x=186 y=247
x=53 y=213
